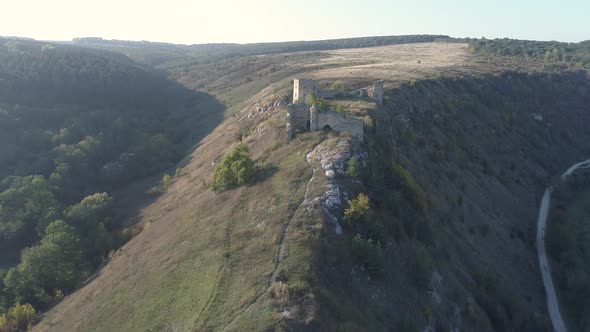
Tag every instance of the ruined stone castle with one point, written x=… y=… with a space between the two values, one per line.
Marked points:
x=302 y=115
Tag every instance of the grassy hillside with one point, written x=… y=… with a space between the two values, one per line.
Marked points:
x=455 y=163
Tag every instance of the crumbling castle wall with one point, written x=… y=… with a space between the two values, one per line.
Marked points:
x=334 y=94
x=338 y=122
x=302 y=117
x=378 y=93
x=297 y=119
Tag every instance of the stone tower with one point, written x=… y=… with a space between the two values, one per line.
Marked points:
x=302 y=89
x=378 y=92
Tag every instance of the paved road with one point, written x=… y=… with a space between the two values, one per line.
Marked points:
x=552 y=303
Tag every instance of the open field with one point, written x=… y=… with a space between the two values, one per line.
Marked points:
x=397 y=63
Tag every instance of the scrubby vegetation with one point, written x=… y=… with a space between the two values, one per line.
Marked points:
x=358 y=209
x=368 y=253
x=353 y=168
x=234 y=169
x=442 y=149
x=18 y=319
x=552 y=52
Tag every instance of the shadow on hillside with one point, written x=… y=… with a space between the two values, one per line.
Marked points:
x=201 y=113
x=266 y=173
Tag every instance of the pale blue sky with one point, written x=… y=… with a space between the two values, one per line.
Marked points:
x=198 y=21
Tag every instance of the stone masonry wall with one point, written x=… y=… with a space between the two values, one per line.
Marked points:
x=302 y=89
x=297 y=119
x=378 y=92
x=339 y=122
x=298 y=116
x=334 y=93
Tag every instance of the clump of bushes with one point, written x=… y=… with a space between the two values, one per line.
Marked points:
x=322 y=104
x=337 y=86
x=19 y=318
x=358 y=209
x=368 y=253
x=353 y=168
x=244 y=133
x=166 y=179
x=360 y=216
x=409 y=187
x=235 y=169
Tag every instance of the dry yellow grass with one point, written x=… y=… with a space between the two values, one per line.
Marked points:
x=397 y=62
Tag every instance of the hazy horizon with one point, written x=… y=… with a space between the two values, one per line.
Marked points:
x=260 y=21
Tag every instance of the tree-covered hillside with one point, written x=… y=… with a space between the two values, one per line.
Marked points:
x=75 y=126
x=551 y=52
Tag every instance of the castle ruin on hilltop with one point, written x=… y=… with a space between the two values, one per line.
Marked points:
x=305 y=115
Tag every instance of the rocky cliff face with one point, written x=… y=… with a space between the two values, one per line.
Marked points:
x=482 y=151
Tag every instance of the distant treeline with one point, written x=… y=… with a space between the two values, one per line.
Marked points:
x=37 y=73
x=551 y=52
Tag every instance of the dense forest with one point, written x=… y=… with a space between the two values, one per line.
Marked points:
x=75 y=126
x=548 y=52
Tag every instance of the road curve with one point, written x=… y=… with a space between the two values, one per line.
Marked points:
x=552 y=303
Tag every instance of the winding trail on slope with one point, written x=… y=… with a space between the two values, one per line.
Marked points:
x=552 y=303
x=281 y=245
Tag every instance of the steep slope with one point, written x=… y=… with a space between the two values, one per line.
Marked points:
x=483 y=150
x=455 y=163
x=202 y=256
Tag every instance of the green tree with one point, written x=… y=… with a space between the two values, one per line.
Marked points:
x=57 y=263
x=235 y=169
x=19 y=318
x=91 y=210
x=26 y=204
x=4 y=323
x=353 y=168
x=166 y=179
x=368 y=253
x=358 y=208
x=92 y=218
